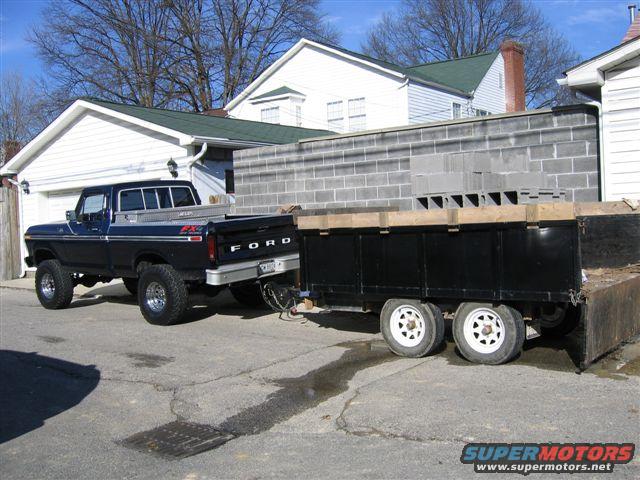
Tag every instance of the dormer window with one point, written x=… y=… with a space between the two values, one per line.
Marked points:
x=270 y=115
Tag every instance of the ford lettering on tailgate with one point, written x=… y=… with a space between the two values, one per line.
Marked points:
x=254 y=245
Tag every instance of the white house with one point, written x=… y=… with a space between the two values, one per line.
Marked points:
x=612 y=80
x=96 y=142
x=315 y=85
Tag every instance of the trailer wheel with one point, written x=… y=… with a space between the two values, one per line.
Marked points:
x=54 y=286
x=488 y=334
x=162 y=295
x=560 y=320
x=248 y=294
x=411 y=328
x=131 y=284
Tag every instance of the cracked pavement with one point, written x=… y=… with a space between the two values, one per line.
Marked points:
x=319 y=399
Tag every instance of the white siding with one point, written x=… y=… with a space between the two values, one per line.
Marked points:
x=324 y=77
x=427 y=104
x=621 y=125
x=489 y=95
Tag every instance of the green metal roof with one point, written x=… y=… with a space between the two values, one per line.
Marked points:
x=284 y=90
x=461 y=74
x=200 y=125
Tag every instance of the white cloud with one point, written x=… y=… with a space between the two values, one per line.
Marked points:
x=597 y=16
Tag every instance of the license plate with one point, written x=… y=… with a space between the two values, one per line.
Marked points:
x=267 y=267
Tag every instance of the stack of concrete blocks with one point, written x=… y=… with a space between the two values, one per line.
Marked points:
x=526 y=157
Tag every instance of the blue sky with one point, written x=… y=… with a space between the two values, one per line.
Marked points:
x=591 y=26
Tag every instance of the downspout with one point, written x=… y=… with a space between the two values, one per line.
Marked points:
x=195 y=158
x=23 y=271
x=598 y=105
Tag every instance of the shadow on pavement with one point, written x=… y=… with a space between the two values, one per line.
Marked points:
x=34 y=388
x=345 y=321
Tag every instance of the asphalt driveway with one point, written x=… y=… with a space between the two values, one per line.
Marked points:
x=319 y=398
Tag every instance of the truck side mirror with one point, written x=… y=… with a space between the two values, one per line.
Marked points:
x=71 y=215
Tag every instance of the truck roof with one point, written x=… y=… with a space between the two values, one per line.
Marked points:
x=143 y=183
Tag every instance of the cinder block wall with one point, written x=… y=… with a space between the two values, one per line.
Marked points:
x=373 y=168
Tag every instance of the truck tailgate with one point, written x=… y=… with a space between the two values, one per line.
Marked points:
x=250 y=238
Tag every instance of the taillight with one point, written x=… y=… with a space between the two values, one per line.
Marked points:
x=211 y=247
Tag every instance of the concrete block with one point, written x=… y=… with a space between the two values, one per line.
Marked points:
x=386 y=138
x=514 y=124
x=585 y=195
x=313 y=160
x=305 y=197
x=403 y=204
x=591 y=116
x=377 y=179
x=473 y=143
x=420 y=184
x=321 y=146
x=569 y=118
x=267 y=177
x=454 y=182
x=486 y=127
x=364 y=141
x=375 y=153
x=277 y=187
x=333 y=158
x=355 y=155
x=355 y=204
x=535 y=166
x=267 y=152
x=554 y=135
x=585 y=132
x=518 y=180
x=511 y=160
x=491 y=181
x=405 y=191
x=502 y=140
x=323 y=171
x=285 y=150
x=403 y=163
x=242 y=210
x=388 y=165
x=571 y=149
x=460 y=130
x=366 y=167
x=573 y=180
x=335 y=205
x=593 y=148
x=561 y=165
x=366 y=193
x=333 y=183
x=303 y=173
x=295 y=186
x=313 y=184
x=526 y=138
x=325 y=195
x=257 y=165
x=479 y=161
x=285 y=175
x=433 y=133
x=593 y=179
x=377 y=203
x=544 y=120
x=422 y=148
x=585 y=164
x=454 y=162
x=243 y=189
x=447 y=146
x=343 y=143
x=395 y=151
x=344 y=169
x=392 y=191
x=410 y=136
x=355 y=181
x=539 y=152
x=284 y=198
x=427 y=163
x=397 y=178
x=345 y=194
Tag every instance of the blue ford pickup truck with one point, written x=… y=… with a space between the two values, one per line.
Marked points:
x=163 y=243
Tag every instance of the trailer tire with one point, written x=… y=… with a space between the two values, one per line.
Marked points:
x=488 y=334
x=564 y=321
x=54 y=285
x=131 y=284
x=249 y=294
x=162 y=295
x=411 y=328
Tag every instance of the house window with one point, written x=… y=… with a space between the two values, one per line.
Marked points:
x=481 y=113
x=500 y=81
x=270 y=115
x=357 y=115
x=298 y=115
x=229 y=184
x=335 y=116
x=456 y=110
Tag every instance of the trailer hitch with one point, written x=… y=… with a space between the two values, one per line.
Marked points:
x=283 y=299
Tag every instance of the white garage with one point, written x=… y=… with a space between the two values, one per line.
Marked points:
x=96 y=142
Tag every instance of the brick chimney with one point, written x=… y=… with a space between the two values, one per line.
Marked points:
x=513 y=55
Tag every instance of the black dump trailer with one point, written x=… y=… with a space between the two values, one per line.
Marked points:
x=505 y=273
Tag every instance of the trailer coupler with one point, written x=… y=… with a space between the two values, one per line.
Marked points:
x=284 y=299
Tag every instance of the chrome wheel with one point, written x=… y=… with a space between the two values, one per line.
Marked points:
x=155 y=297
x=47 y=286
x=484 y=330
x=407 y=326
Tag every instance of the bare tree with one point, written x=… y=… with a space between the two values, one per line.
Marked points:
x=114 y=49
x=422 y=31
x=193 y=54
x=21 y=116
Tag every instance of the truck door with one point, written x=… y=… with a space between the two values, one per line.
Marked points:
x=87 y=247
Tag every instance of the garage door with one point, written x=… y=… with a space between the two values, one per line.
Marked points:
x=60 y=202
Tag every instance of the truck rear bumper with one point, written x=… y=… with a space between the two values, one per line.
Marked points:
x=242 y=271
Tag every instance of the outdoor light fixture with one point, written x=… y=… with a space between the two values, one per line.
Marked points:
x=25 y=186
x=172 y=166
